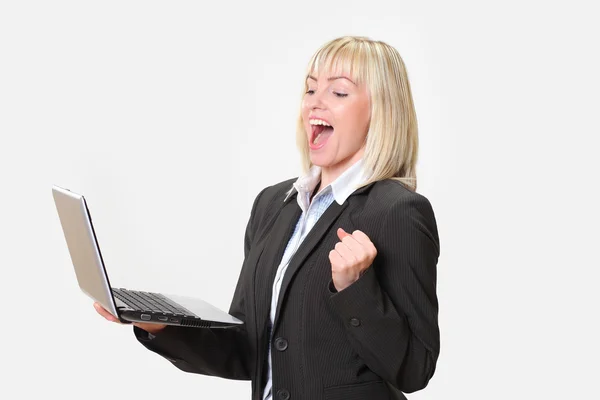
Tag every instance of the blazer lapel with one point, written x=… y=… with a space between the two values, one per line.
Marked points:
x=275 y=243
x=306 y=247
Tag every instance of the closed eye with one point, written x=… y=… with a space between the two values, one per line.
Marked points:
x=311 y=92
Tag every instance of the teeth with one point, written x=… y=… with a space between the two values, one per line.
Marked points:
x=318 y=122
x=316 y=141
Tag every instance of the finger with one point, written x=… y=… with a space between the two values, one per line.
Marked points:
x=336 y=260
x=342 y=233
x=353 y=244
x=346 y=253
x=106 y=315
x=358 y=254
x=364 y=240
x=99 y=309
x=150 y=328
x=102 y=311
x=361 y=237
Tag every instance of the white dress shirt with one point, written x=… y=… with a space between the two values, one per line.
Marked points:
x=339 y=190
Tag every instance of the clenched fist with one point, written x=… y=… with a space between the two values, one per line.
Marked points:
x=350 y=258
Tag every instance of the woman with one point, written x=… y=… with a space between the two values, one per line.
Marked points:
x=338 y=285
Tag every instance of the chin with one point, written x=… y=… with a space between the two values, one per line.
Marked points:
x=322 y=160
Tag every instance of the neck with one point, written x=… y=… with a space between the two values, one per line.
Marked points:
x=331 y=173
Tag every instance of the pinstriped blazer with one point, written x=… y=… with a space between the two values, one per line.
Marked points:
x=373 y=340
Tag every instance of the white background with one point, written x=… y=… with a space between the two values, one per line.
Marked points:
x=171 y=117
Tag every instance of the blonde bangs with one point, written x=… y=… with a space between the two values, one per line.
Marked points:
x=341 y=57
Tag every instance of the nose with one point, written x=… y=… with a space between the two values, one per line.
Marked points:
x=315 y=100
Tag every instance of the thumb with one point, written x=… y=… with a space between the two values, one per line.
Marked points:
x=342 y=233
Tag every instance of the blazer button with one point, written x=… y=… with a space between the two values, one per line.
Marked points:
x=283 y=394
x=281 y=344
x=355 y=322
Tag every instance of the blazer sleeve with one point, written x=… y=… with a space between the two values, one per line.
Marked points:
x=391 y=311
x=222 y=352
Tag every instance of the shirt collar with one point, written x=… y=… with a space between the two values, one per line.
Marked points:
x=342 y=187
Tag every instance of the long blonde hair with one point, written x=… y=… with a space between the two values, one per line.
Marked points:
x=392 y=141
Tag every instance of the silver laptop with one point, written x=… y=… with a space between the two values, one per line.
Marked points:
x=127 y=305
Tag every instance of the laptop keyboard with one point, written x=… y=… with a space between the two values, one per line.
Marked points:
x=150 y=302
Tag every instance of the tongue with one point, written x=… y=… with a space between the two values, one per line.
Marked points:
x=325 y=133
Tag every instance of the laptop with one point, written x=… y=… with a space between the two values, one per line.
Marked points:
x=127 y=305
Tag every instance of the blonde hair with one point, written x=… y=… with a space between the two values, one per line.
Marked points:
x=392 y=139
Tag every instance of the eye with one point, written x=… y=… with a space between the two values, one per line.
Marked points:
x=340 y=94
x=310 y=91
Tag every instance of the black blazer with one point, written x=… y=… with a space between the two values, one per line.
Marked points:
x=378 y=334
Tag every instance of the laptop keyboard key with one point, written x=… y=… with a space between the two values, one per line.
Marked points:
x=150 y=302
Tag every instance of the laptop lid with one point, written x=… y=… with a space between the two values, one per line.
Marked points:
x=83 y=247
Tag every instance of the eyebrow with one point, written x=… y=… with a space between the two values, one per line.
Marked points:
x=331 y=78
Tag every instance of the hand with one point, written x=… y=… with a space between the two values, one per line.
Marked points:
x=151 y=328
x=350 y=258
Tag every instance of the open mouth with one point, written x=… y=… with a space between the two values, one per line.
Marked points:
x=320 y=133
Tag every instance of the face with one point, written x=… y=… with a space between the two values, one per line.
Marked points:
x=336 y=112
